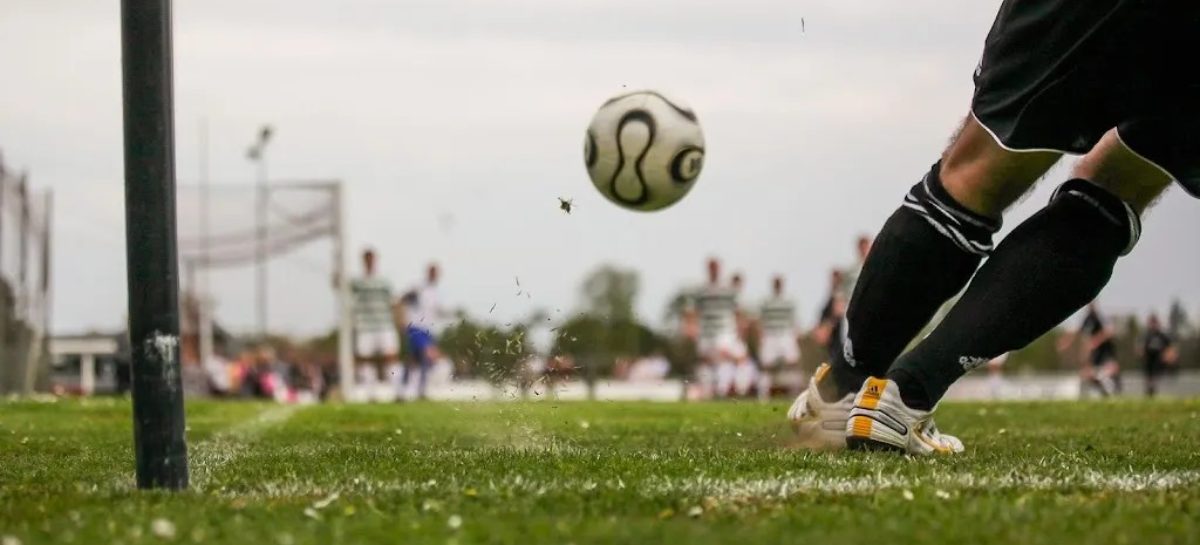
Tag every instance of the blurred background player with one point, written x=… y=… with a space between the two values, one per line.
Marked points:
x=376 y=344
x=744 y=371
x=1157 y=350
x=827 y=332
x=862 y=247
x=831 y=331
x=1099 y=368
x=779 y=348
x=711 y=316
x=743 y=318
x=423 y=313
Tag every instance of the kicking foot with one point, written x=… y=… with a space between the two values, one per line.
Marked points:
x=881 y=421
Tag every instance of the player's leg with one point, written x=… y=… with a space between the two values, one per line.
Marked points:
x=925 y=253
x=362 y=387
x=1087 y=377
x=1041 y=273
x=1110 y=375
x=792 y=368
x=1152 y=377
x=1103 y=381
x=928 y=250
x=390 y=362
x=1066 y=94
x=770 y=360
x=766 y=374
x=706 y=369
x=431 y=355
x=726 y=365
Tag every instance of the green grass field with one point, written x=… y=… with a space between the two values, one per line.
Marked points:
x=1120 y=472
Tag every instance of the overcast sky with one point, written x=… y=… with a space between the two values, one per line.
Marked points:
x=456 y=124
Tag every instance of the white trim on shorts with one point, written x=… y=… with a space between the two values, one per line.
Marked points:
x=1117 y=130
x=1143 y=157
x=1006 y=147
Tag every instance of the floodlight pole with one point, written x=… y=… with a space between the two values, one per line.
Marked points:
x=150 y=245
x=257 y=155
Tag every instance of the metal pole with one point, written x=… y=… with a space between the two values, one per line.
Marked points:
x=204 y=317
x=150 y=244
x=261 y=251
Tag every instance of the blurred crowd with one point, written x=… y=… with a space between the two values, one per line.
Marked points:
x=720 y=346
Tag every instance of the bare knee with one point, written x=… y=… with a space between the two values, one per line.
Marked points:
x=986 y=178
x=1116 y=168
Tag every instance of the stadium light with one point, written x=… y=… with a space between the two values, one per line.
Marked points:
x=152 y=270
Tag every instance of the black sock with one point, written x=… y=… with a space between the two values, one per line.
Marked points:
x=925 y=253
x=1047 y=268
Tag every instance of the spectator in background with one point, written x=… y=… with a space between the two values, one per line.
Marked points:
x=219 y=373
x=1157 y=351
x=254 y=382
x=650 y=368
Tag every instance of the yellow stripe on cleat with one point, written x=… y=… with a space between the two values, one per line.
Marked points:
x=872 y=390
x=860 y=426
x=819 y=375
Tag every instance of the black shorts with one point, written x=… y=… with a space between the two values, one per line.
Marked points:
x=1103 y=355
x=1058 y=74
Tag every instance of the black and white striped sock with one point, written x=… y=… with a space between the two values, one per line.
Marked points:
x=925 y=253
x=1051 y=265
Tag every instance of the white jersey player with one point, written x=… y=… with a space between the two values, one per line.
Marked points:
x=778 y=347
x=745 y=372
x=424 y=314
x=713 y=309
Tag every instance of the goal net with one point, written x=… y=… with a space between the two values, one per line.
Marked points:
x=260 y=261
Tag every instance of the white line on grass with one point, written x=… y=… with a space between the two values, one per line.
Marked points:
x=745 y=489
x=210 y=455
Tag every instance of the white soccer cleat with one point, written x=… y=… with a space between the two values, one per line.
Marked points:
x=881 y=421
x=818 y=424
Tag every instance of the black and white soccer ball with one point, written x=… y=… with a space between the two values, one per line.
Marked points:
x=644 y=150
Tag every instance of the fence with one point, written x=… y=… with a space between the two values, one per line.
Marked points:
x=25 y=234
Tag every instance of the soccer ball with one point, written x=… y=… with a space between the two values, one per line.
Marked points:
x=643 y=150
